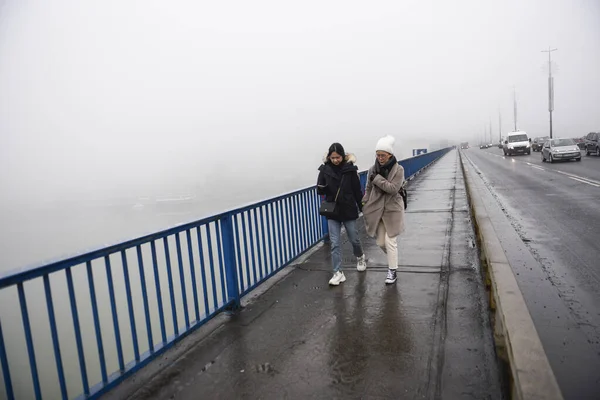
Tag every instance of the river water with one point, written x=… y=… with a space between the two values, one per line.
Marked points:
x=33 y=234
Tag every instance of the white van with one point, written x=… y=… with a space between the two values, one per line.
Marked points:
x=517 y=143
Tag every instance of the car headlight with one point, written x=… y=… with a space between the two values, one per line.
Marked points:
x=528 y=145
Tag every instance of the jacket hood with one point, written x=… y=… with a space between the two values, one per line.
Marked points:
x=349 y=158
x=348 y=166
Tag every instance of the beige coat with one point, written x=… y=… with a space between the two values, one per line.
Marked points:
x=383 y=203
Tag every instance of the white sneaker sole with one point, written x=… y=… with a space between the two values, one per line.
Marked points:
x=389 y=281
x=337 y=283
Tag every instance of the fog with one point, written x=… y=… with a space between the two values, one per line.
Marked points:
x=237 y=101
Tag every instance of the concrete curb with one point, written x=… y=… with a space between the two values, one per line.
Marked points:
x=515 y=335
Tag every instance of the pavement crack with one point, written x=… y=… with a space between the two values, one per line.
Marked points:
x=437 y=356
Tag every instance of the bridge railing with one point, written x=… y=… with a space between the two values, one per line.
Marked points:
x=79 y=326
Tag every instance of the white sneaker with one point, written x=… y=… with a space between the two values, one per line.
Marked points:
x=361 y=263
x=337 y=278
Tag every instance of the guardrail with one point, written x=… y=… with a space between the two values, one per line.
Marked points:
x=123 y=305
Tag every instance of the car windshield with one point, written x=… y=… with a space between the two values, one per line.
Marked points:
x=562 y=142
x=517 y=138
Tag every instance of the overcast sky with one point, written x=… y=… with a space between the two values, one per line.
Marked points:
x=104 y=96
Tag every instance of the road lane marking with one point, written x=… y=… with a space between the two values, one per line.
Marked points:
x=582 y=181
x=535 y=166
x=579 y=177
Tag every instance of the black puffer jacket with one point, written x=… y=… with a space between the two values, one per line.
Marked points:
x=349 y=201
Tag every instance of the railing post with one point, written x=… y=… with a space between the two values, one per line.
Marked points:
x=407 y=168
x=5 y=371
x=363 y=181
x=231 y=275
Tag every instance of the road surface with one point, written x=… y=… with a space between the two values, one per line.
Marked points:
x=554 y=249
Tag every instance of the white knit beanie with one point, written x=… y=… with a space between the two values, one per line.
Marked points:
x=386 y=144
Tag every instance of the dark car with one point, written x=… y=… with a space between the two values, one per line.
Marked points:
x=580 y=141
x=592 y=143
x=538 y=143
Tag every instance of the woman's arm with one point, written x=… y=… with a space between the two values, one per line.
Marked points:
x=368 y=186
x=321 y=184
x=357 y=190
x=392 y=186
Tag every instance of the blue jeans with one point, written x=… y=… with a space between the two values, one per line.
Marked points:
x=335 y=230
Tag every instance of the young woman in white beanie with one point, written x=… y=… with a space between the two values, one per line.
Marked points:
x=383 y=207
x=338 y=181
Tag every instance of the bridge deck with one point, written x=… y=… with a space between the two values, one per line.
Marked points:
x=428 y=336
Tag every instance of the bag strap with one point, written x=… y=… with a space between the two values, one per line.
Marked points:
x=403 y=187
x=338 y=192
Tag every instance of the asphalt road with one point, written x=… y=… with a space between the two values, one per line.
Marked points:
x=555 y=211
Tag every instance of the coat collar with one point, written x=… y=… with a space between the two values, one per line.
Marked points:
x=346 y=168
x=392 y=173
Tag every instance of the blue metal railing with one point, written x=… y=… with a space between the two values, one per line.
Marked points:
x=115 y=318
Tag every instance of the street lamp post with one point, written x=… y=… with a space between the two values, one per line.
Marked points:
x=500 y=126
x=550 y=86
x=515 y=107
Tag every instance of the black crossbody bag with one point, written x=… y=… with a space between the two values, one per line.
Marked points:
x=328 y=209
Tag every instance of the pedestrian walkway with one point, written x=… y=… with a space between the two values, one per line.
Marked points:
x=427 y=336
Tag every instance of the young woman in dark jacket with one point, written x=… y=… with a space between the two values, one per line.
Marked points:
x=339 y=172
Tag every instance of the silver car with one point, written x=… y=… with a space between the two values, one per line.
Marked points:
x=560 y=149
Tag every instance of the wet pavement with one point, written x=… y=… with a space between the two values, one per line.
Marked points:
x=427 y=336
x=552 y=228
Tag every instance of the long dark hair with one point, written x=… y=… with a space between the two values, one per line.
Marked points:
x=336 y=148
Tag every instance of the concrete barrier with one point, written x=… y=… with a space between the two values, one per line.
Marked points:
x=517 y=341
